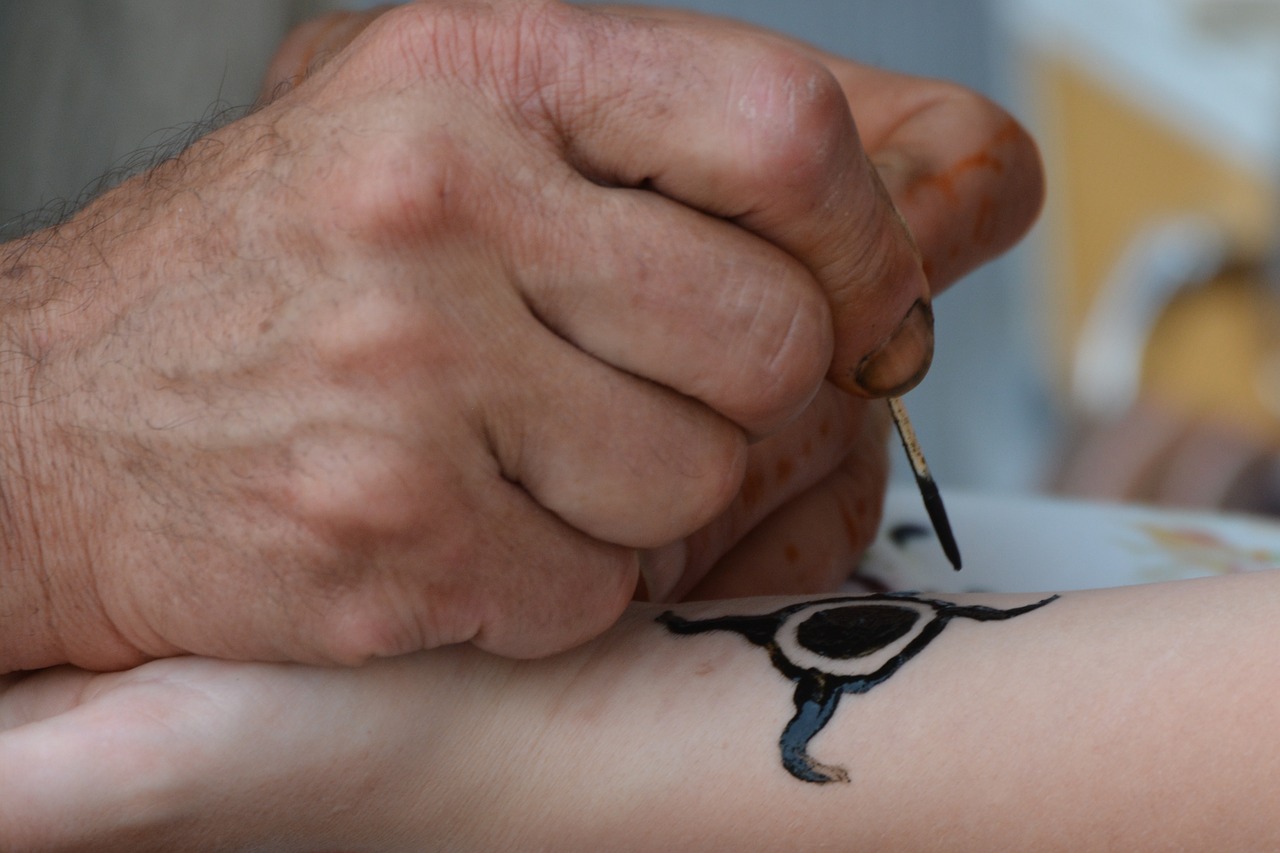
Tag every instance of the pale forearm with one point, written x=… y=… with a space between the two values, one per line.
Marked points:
x=1135 y=717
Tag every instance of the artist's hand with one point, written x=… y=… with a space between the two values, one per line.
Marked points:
x=426 y=349
x=967 y=180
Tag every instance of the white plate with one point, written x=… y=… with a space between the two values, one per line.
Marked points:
x=1035 y=544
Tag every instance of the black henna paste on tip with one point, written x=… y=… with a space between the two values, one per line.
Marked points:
x=821 y=646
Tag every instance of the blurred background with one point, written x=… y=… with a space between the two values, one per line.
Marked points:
x=1127 y=350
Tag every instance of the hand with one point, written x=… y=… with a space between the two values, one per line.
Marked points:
x=967 y=180
x=517 y=311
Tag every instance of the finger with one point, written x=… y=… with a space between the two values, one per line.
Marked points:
x=811 y=544
x=684 y=299
x=622 y=459
x=567 y=587
x=476 y=560
x=779 y=469
x=762 y=136
x=965 y=175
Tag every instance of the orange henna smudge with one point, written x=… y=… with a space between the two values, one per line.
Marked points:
x=792 y=553
x=945 y=182
x=784 y=468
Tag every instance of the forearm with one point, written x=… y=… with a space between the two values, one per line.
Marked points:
x=1134 y=717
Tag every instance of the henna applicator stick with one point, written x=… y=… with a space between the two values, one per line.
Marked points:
x=924 y=480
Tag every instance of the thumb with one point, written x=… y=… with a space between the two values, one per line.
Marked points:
x=756 y=131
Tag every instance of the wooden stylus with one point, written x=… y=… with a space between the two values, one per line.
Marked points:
x=928 y=488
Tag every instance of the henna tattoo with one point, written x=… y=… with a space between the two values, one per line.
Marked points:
x=833 y=646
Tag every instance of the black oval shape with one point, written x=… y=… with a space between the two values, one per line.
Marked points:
x=855 y=631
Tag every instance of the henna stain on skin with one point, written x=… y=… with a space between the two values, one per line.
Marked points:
x=834 y=646
x=986 y=158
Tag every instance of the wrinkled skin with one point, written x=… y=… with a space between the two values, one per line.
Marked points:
x=495 y=310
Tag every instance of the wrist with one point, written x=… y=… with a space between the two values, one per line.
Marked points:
x=27 y=635
x=53 y=508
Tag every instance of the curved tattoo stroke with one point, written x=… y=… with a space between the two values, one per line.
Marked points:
x=833 y=646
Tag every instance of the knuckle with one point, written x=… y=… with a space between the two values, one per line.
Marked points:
x=798 y=123
x=561 y=616
x=373 y=336
x=396 y=582
x=715 y=477
x=403 y=188
x=355 y=492
x=792 y=342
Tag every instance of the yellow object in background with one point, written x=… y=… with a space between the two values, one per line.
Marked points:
x=1114 y=169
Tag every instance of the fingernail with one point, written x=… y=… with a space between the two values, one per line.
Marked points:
x=898 y=364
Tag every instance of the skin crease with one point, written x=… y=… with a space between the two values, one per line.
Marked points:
x=817 y=475
x=313 y=542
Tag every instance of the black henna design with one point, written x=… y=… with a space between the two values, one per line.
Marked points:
x=820 y=645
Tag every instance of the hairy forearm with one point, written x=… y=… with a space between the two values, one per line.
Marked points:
x=43 y=277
